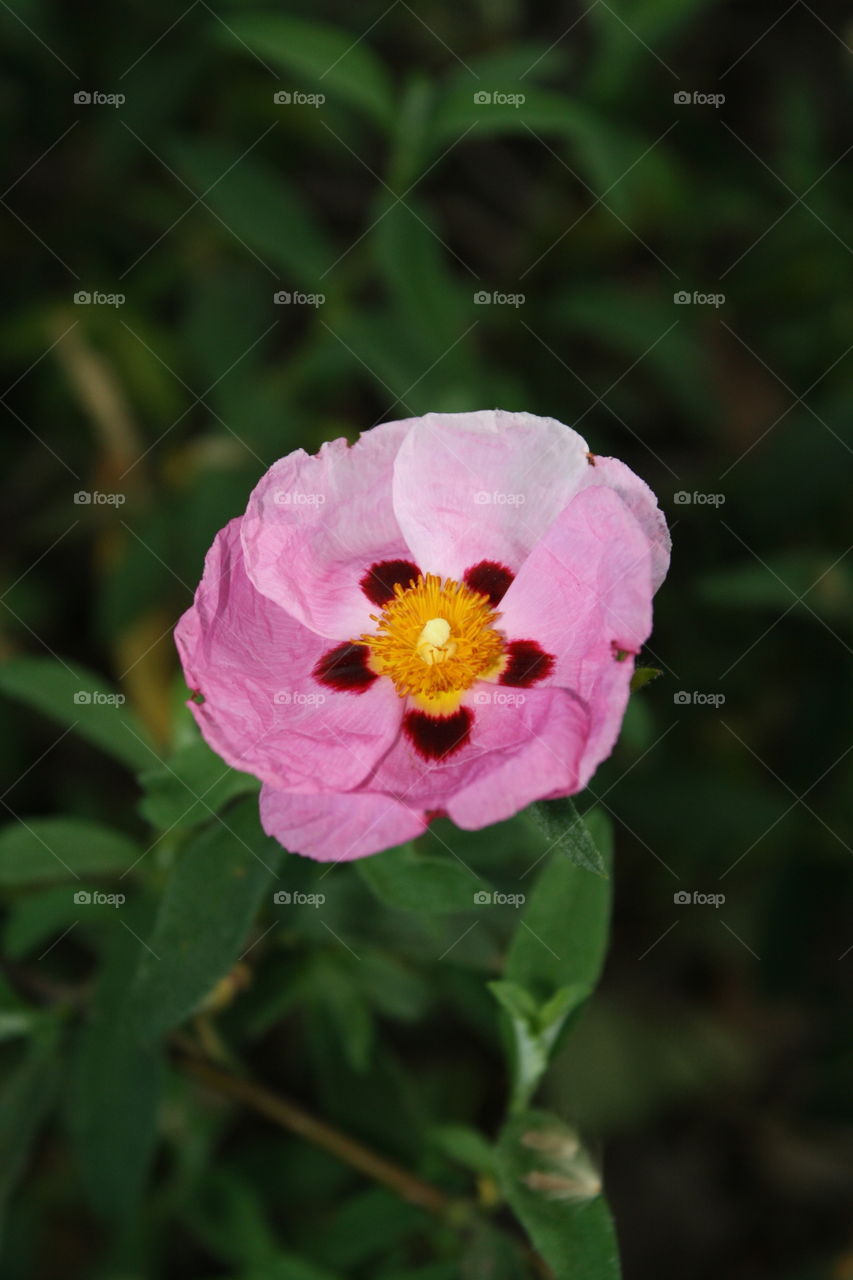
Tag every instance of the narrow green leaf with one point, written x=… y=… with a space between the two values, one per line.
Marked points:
x=204 y=919
x=193 y=771
x=411 y=881
x=567 y=833
x=562 y=934
x=75 y=696
x=258 y=205
x=555 y=1191
x=26 y=1096
x=116 y=1085
x=330 y=60
x=45 y=849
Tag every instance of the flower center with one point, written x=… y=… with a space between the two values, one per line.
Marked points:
x=434 y=639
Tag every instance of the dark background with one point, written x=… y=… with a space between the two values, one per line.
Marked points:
x=714 y=1066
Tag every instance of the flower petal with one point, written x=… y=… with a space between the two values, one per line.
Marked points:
x=503 y=724
x=316 y=525
x=263 y=710
x=340 y=827
x=642 y=504
x=473 y=487
x=549 y=765
x=584 y=595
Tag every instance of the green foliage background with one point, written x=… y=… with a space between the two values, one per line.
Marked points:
x=714 y=1061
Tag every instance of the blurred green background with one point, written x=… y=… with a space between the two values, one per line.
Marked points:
x=269 y=272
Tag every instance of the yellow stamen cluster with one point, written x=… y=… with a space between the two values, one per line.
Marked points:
x=434 y=640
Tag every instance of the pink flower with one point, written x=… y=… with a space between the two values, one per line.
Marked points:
x=441 y=618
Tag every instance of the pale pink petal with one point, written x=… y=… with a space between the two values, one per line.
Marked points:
x=642 y=504
x=263 y=710
x=470 y=487
x=505 y=723
x=549 y=765
x=584 y=595
x=339 y=827
x=316 y=524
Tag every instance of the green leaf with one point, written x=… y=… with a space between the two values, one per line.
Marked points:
x=193 y=771
x=562 y=935
x=201 y=928
x=26 y=1096
x=553 y=1188
x=643 y=676
x=535 y=1031
x=331 y=60
x=411 y=881
x=44 y=849
x=258 y=206
x=60 y=690
x=115 y=1087
x=465 y=1146
x=567 y=833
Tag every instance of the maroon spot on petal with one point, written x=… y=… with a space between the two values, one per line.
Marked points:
x=380 y=580
x=437 y=737
x=528 y=662
x=619 y=653
x=490 y=579
x=345 y=669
